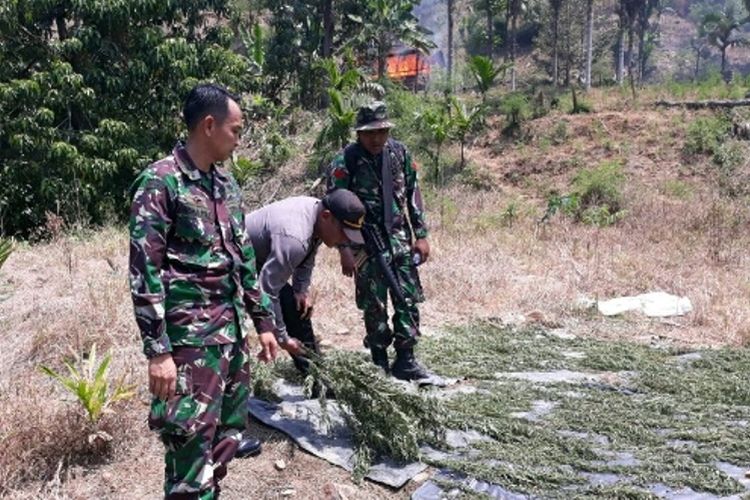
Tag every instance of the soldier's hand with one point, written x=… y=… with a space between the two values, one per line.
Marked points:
x=304 y=305
x=423 y=247
x=347 y=261
x=162 y=376
x=269 y=347
x=292 y=346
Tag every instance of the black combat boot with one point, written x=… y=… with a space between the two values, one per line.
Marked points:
x=248 y=447
x=406 y=367
x=380 y=357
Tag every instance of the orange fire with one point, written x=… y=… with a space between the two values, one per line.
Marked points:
x=402 y=66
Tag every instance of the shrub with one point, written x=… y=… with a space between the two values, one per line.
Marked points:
x=730 y=155
x=515 y=106
x=599 y=187
x=244 y=169
x=85 y=109
x=706 y=134
x=596 y=198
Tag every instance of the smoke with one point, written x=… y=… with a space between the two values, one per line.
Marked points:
x=433 y=15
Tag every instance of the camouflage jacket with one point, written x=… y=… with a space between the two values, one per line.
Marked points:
x=192 y=266
x=366 y=182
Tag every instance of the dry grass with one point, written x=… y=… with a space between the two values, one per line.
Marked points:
x=66 y=294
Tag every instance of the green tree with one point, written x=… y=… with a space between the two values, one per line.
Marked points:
x=90 y=91
x=555 y=6
x=721 y=30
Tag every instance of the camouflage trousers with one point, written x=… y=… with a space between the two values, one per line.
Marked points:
x=201 y=425
x=372 y=295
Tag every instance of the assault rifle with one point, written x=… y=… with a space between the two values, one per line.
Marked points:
x=377 y=247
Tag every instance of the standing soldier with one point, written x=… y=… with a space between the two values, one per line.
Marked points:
x=379 y=170
x=192 y=273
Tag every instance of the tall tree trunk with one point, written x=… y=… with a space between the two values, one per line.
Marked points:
x=723 y=60
x=642 y=28
x=631 y=36
x=62 y=28
x=490 y=30
x=513 y=28
x=382 y=55
x=327 y=28
x=620 y=66
x=555 y=40
x=589 y=42
x=450 y=41
x=697 y=65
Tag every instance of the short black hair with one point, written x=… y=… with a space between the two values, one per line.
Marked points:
x=206 y=99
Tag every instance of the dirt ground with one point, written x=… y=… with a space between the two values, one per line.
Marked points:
x=59 y=297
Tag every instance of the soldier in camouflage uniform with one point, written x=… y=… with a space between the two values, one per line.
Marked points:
x=192 y=274
x=379 y=170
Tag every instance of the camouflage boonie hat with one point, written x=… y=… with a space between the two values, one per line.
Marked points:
x=374 y=116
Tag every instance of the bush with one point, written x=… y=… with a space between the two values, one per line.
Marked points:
x=730 y=155
x=600 y=187
x=515 y=106
x=86 y=109
x=705 y=135
x=596 y=198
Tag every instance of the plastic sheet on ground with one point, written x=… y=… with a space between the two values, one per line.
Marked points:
x=654 y=304
x=301 y=419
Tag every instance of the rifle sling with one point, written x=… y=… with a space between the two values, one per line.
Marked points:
x=387 y=183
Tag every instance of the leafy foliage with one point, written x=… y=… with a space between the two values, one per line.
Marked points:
x=485 y=72
x=6 y=248
x=596 y=198
x=90 y=92
x=464 y=121
x=706 y=134
x=91 y=385
x=385 y=418
x=516 y=108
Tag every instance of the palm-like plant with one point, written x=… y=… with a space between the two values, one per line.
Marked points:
x=485 y=72
x=463 y=120
x=91 y=386
x=341 y=116
x=338 y=79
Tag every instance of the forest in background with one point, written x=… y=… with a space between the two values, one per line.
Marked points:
x=90 y=90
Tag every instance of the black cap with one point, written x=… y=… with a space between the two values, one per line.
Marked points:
x=374 y=116
x=349 y=211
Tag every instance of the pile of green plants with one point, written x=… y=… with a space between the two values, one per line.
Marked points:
x=647 y=416
x=385 y=417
